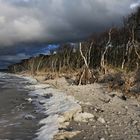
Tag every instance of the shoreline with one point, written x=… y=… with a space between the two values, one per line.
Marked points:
x=113 y=117
x=83 y=112
x=18 y=119
x=60 y=109
x=57 y=107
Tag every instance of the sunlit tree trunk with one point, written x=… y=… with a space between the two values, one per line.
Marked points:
x=86 y=69
x=103 y=66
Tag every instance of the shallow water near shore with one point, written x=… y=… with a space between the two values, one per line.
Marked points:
x=31 y=110
x=18 y=117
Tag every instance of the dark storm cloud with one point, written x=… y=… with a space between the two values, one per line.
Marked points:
x=58 y=20
x=14 y=54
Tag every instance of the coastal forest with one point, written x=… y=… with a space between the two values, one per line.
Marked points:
x=112 y=57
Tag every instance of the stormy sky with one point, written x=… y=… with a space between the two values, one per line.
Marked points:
x=58 y=20
x=23 y=21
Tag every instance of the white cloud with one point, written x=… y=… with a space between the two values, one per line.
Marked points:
x=27 y=28
x=57 y=20
x=135 y=5
x=2 y=20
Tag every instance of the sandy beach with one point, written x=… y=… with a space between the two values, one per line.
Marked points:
x=114 y=118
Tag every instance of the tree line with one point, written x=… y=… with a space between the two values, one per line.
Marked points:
x=115 y=48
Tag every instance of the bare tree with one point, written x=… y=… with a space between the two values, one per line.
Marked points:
x=103 y=66
x=86 y=69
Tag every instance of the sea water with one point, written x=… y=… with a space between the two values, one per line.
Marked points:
x=30 y=110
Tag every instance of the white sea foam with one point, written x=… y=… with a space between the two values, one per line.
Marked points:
x=54 y=107
x=39 y=86
x=49 y=128
x=2 y=75
x=28 y=79
x=7 y=76
x=52 y=102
